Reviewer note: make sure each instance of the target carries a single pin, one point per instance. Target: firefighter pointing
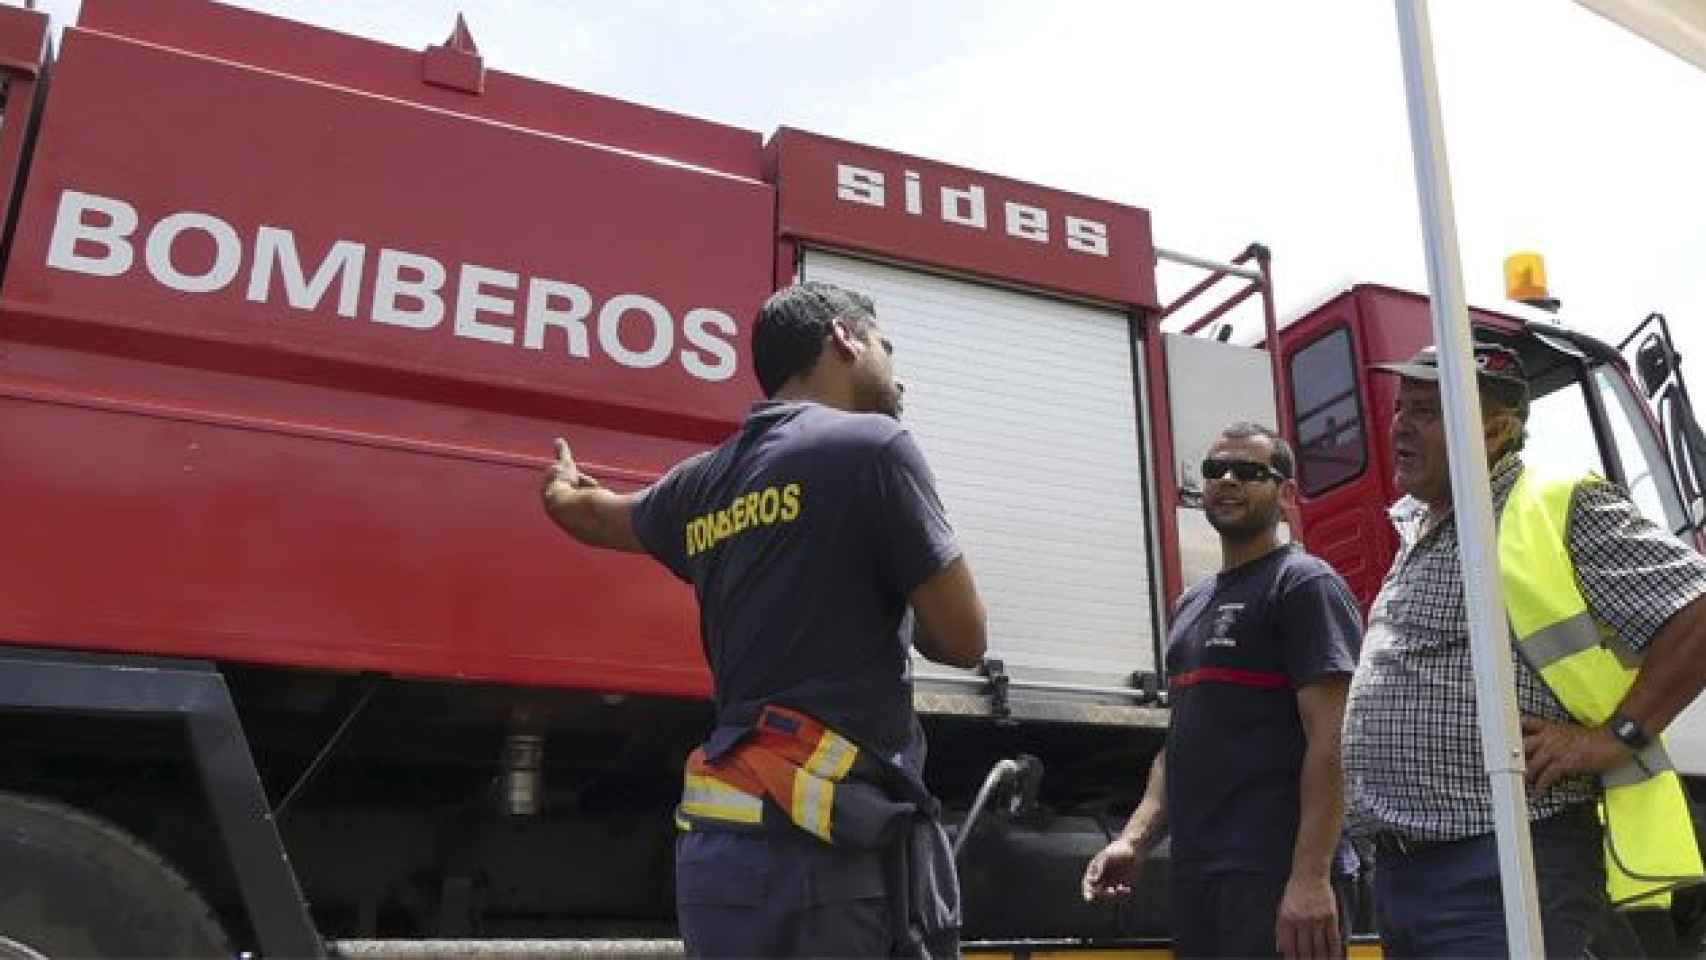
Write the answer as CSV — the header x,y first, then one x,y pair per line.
x,y
806,829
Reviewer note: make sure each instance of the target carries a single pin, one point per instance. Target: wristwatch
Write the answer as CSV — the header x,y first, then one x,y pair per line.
x,y
1627,730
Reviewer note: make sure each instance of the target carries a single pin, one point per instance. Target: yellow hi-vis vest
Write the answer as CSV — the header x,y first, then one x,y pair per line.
x,y
1649,837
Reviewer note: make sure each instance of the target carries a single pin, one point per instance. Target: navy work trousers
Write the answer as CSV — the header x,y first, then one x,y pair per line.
x,y
774,894
1445,900
1232,913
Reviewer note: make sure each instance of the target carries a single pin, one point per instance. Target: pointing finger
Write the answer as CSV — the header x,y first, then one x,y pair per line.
x,y
563,449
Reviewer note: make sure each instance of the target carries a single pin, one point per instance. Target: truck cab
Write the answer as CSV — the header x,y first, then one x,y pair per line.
x,y
1621,412
1588,414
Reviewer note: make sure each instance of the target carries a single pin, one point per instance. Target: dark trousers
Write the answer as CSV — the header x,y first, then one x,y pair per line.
x,y
778,895
1231,913
1445,900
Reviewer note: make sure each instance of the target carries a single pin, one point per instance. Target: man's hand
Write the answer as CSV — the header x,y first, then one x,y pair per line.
x,y
563,474
1113,872
587,511
1559,750
1308,920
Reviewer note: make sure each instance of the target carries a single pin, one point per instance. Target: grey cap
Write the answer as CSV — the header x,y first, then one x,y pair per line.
x,y
1497,367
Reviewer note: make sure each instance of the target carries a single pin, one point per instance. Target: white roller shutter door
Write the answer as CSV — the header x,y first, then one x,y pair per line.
x,y
1025,406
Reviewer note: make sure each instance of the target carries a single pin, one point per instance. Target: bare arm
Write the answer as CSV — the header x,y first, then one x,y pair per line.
x,y
588,512
1674,671
1321,706
1115,870
1148,822
949,625
1307,925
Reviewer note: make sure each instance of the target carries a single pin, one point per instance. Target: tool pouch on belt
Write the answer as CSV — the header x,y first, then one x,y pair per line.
x,y
793,772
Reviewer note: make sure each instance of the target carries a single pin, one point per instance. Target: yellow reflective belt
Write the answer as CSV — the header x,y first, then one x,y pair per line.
x,y
814,798
833,757
713,799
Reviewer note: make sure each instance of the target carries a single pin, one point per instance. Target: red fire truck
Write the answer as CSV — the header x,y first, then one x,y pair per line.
x,y
292,661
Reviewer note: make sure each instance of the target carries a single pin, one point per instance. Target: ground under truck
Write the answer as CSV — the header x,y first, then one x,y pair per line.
x,y
293,663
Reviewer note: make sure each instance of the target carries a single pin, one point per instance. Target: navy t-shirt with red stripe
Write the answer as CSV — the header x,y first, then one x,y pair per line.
x,y
1243,641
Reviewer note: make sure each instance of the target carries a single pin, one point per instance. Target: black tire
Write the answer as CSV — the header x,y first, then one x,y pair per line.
x,y
73,885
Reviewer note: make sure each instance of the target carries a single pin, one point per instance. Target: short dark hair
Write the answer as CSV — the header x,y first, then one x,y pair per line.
x,y
787,337
1282,459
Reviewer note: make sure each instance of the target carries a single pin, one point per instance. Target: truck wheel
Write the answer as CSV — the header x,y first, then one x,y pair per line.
x,y
72,885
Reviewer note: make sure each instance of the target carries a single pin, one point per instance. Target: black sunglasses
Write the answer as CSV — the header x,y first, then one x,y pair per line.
x,y
1247,471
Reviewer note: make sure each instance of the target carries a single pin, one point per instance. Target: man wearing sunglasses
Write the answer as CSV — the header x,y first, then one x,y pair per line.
x,y
1248,785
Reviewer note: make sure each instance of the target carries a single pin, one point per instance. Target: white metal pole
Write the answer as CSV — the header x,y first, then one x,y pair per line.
x,y
1489,634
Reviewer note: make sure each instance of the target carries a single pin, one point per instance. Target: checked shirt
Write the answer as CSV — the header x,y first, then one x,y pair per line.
x,y
1412,746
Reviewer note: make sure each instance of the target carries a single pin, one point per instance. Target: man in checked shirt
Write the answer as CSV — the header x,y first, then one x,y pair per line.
x,y
1414,777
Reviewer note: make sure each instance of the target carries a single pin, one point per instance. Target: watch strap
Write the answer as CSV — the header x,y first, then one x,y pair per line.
x,y
1624,728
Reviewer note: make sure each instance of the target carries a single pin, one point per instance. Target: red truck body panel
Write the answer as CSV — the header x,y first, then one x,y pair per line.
x,y
23,53
23,40
220,466
324,56
286,331
866,200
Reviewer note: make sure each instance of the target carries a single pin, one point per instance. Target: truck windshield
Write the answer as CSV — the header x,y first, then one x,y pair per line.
x,y
1561,438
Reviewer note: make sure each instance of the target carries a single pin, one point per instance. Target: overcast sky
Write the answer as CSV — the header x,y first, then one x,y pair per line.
x,y
1229,121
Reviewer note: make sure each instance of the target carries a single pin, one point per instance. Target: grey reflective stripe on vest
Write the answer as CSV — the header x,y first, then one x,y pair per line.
x,y
1562,639
1651,761
1625,654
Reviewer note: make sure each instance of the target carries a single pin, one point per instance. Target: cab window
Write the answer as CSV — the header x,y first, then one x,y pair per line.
x,y
1326,413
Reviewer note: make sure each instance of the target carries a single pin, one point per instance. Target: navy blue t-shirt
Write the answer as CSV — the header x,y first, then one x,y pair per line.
x,y
1242,642
803,535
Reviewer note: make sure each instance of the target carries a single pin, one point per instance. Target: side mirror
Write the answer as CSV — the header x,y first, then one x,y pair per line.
x,y
1654,364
